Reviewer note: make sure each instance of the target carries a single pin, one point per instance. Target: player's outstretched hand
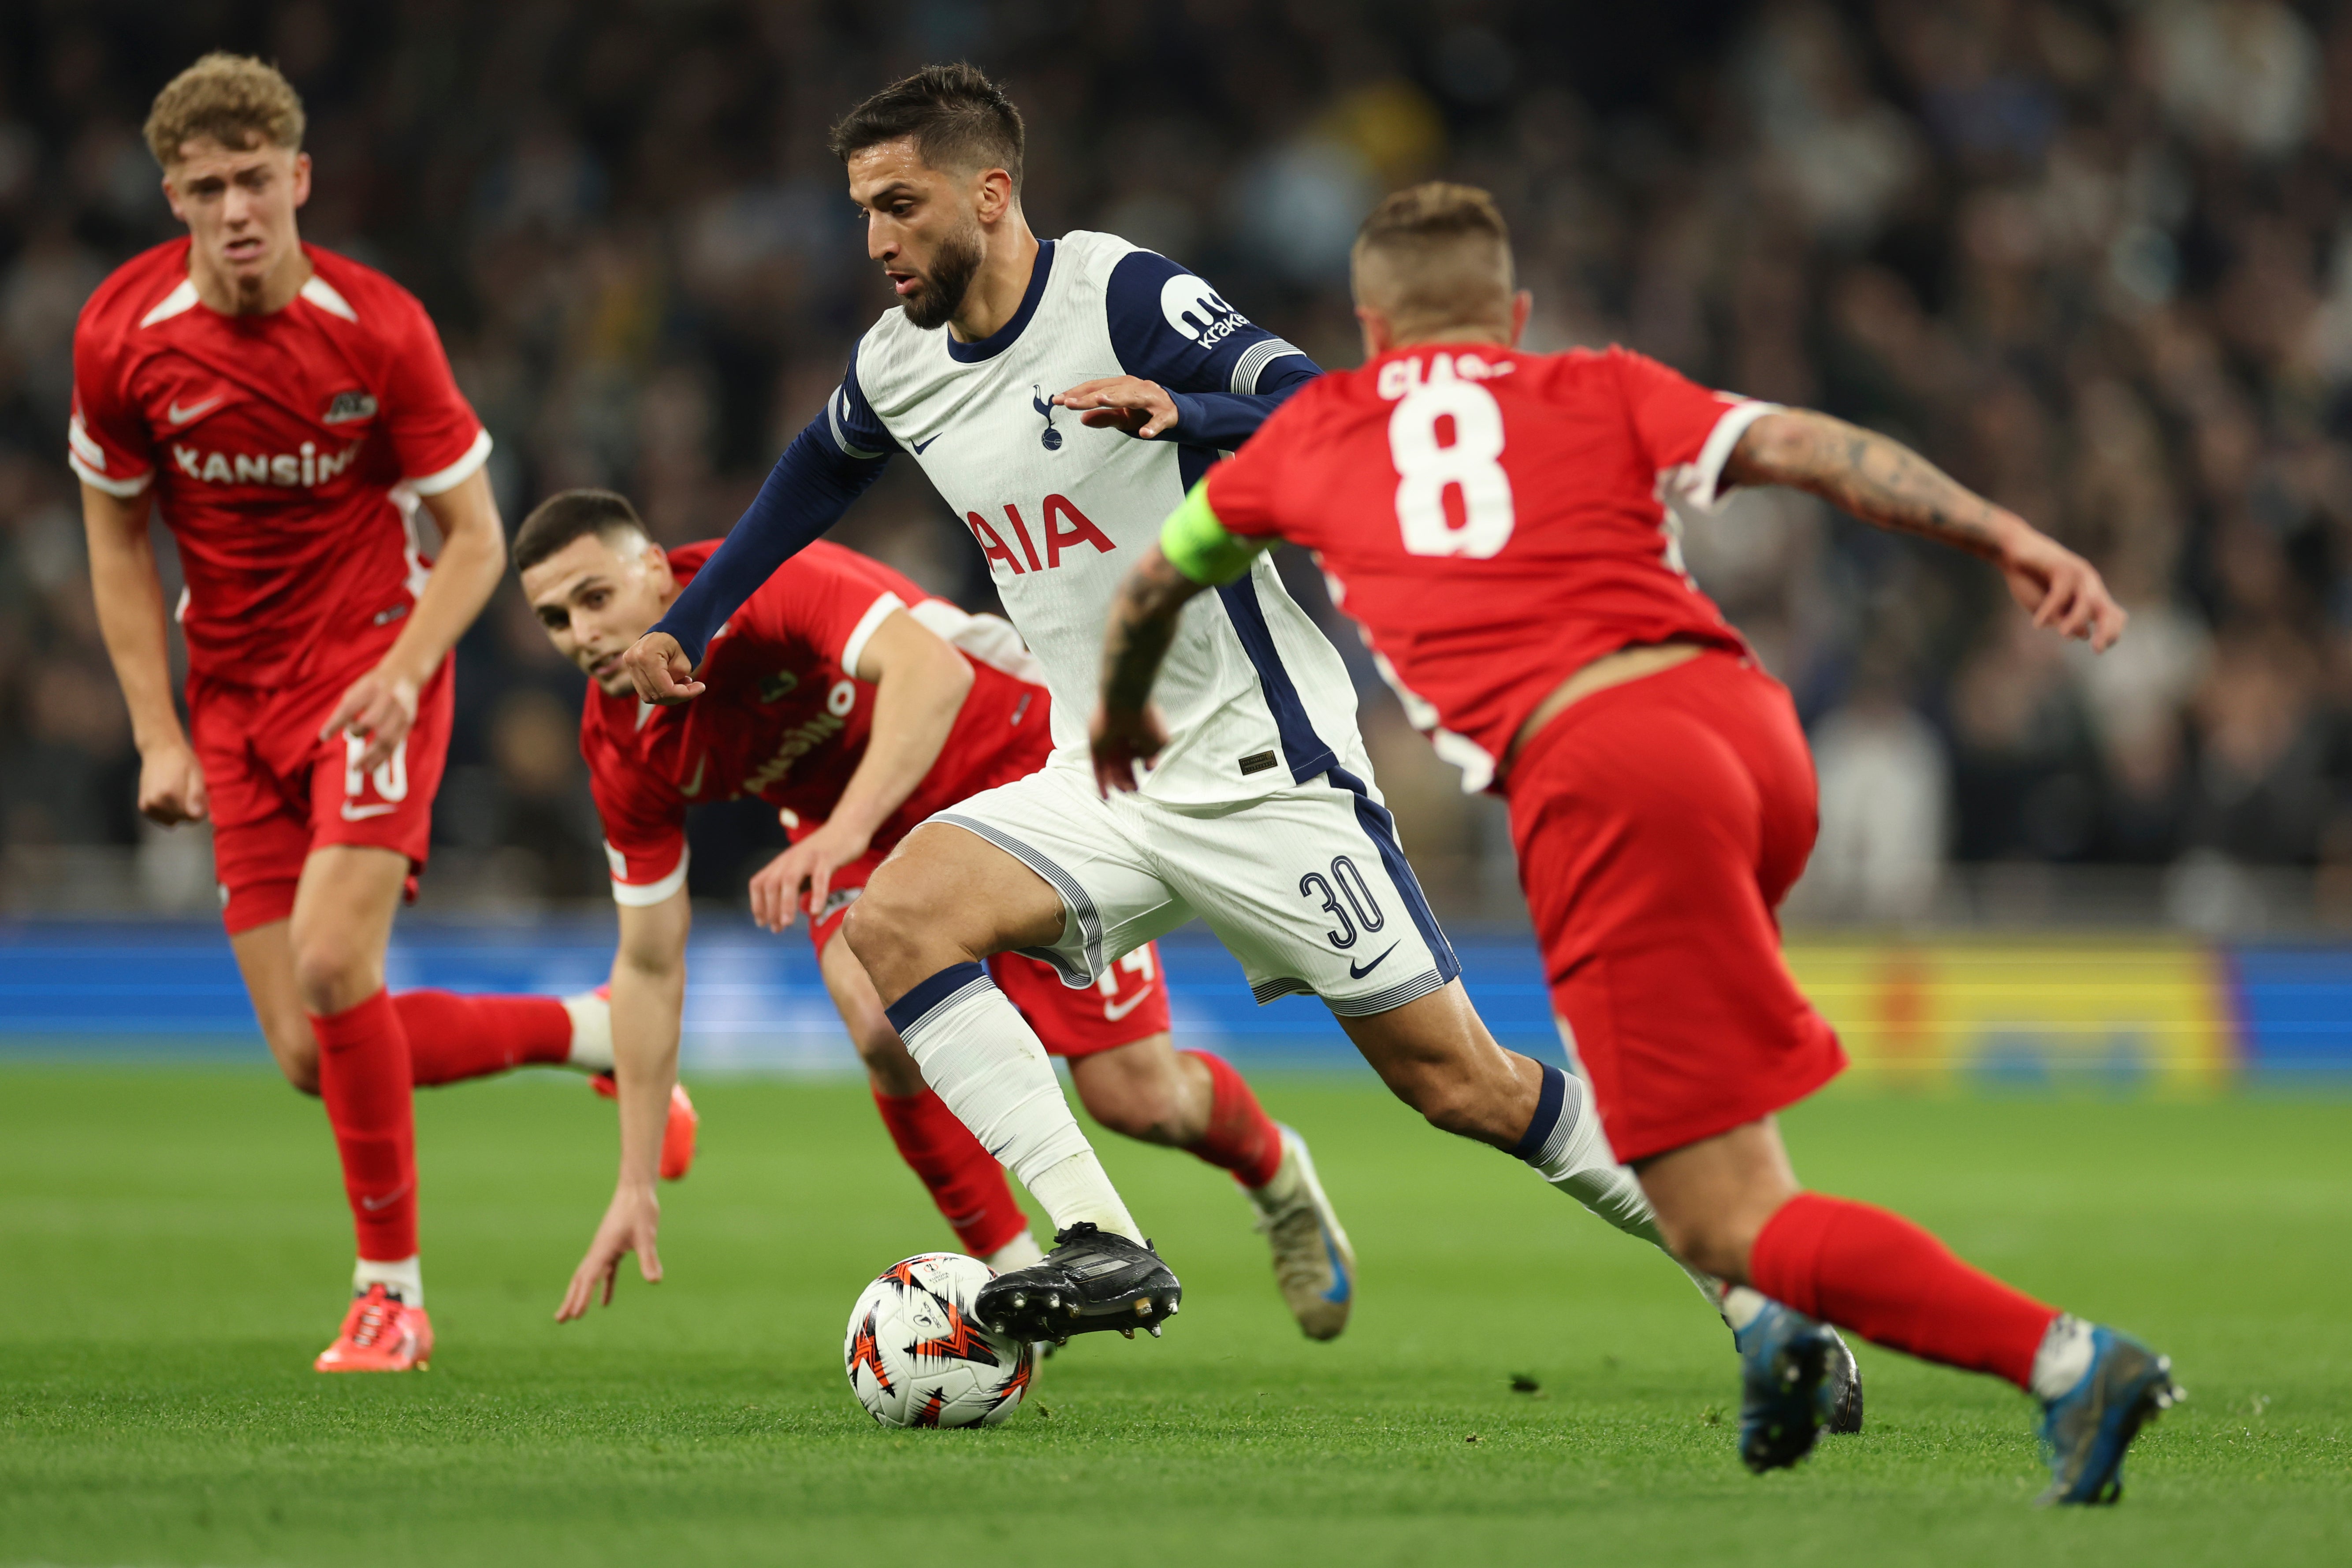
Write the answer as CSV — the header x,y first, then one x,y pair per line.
x,y
811,863
1139,407
661,671
379,705
629,1226
172,785
1125,743
2063,591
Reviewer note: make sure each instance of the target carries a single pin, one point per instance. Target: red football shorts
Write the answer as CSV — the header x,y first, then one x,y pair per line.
x,y
1129,1003
1658,824
278,792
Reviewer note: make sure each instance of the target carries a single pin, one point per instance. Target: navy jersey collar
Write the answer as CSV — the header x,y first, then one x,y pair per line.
x,y
1005,336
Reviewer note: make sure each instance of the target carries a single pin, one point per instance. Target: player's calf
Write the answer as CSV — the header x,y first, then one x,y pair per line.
x,y
1435,1055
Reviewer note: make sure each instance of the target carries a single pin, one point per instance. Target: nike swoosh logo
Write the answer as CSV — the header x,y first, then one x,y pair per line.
x,y
175,415
920,446
362,813
390,1198
1357,972
694,785
1115,1011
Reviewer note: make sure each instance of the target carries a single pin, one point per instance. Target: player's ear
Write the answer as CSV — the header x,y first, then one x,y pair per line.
x,y
1380,334
172,198
992,195
301,178
1523,305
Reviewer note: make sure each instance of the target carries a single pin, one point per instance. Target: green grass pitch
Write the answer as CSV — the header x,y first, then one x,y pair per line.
x,y
174,1251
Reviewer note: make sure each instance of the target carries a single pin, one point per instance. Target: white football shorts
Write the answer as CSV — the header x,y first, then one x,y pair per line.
x,y
1307,887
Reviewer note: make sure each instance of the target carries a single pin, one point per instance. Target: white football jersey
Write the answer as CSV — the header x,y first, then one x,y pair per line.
x,y
1254,696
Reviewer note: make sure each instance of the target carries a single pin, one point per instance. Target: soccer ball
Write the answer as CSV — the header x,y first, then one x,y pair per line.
x,y
916,1355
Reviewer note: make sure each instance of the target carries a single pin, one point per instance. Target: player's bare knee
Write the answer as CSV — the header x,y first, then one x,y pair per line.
x,y
885,930
332,974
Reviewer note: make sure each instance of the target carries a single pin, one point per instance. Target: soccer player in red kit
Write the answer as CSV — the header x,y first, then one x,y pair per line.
x,y
857,705
1501,525
286,410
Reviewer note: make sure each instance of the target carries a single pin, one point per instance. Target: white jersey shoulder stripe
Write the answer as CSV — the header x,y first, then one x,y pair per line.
x,y
325,295
182,299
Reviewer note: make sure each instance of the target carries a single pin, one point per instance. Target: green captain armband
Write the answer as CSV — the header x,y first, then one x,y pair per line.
x,y
1197,544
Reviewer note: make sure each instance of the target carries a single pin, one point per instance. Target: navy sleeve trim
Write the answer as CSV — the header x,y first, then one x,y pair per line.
x,y
809,488
857,430
1226,373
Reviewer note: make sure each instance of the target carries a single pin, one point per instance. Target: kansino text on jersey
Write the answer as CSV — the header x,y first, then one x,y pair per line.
x,y
1400,376
308,468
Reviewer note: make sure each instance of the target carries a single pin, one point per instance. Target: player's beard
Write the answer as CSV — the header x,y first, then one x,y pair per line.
x,y
948,279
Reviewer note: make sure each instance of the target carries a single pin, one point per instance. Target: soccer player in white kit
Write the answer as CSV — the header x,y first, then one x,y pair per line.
x,y
1082,386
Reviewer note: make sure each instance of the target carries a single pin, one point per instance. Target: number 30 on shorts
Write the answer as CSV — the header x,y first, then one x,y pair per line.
x,y
1347,899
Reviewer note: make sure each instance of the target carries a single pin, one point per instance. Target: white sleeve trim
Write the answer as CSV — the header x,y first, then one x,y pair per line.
x,y
458,473
834,407
871,622
1698,485
639,898
1252,364
123,489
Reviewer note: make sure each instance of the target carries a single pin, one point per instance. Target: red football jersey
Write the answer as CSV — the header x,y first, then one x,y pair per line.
x,y
292,449
1492,520
781,717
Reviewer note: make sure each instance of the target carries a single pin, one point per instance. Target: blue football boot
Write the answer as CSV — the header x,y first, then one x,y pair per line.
x,y
1788,1390
2085,1430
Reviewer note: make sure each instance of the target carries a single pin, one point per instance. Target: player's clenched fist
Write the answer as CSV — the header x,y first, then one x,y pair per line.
x,y
171,786
659,670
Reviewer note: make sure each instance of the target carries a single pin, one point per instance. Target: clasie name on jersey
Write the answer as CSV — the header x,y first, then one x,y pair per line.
x,y
306,468
1063,526
1400,376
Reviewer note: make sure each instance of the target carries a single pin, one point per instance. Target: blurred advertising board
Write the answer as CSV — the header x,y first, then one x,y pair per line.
x,y
2138,1015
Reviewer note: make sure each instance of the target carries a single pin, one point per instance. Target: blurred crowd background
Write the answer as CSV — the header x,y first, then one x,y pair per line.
x,y
2094,258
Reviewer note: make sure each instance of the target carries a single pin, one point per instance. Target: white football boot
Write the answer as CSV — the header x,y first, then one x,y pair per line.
x,y
1313,1263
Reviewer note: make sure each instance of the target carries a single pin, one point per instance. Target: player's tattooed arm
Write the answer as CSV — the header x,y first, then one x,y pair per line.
x,y
1885,483
1143,621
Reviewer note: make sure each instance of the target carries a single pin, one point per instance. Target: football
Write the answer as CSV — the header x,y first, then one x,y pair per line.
x,y
917,1356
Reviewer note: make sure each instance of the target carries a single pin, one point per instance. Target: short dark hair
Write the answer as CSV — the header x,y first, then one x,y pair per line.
x,y
568,515
959,121
1434,254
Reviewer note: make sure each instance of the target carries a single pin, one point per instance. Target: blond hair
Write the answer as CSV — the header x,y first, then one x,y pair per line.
x,y
1433,255
234,100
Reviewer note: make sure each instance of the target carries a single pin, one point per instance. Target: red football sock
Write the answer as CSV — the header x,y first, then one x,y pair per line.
x,y
1893,1284
452,1037
363,1079
1241,1138
965,1180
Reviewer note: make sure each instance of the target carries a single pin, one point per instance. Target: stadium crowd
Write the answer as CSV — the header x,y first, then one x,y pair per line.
x,y
2095,260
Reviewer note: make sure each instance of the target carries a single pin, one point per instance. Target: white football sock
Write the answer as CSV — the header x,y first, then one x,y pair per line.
x,y
1076,1189
2064,1359
404,1278
1573,1154
981,1055
1019,1253
591,1032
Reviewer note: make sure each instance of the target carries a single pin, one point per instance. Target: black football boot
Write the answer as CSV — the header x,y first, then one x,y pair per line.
x,y
1092,1280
